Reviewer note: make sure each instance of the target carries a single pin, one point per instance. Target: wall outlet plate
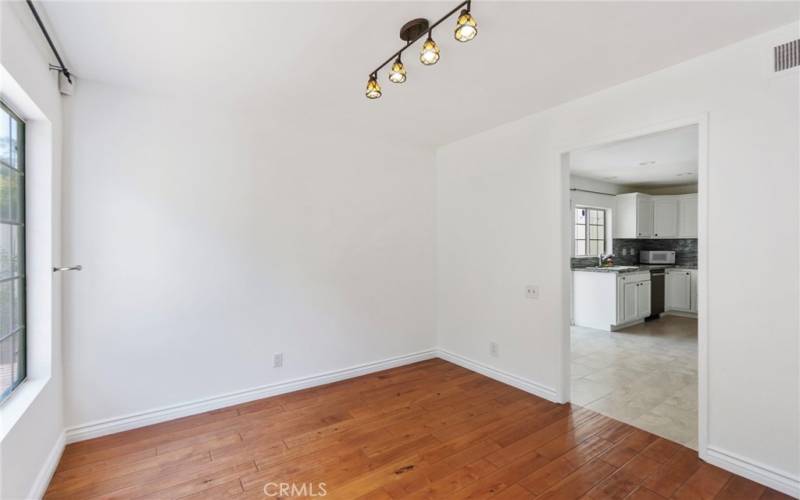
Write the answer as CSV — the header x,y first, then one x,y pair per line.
x,y
494,349
277,360
532,292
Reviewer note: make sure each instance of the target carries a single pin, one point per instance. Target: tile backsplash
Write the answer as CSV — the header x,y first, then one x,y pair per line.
x,y
685,250
578,262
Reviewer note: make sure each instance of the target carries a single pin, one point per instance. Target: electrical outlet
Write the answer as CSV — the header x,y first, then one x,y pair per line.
x,y
494,349
532,292
277,360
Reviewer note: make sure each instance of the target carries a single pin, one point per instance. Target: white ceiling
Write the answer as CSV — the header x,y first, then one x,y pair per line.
x,y
662,159
305,65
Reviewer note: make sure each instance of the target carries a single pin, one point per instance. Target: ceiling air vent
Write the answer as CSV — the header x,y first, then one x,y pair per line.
x,y
787,55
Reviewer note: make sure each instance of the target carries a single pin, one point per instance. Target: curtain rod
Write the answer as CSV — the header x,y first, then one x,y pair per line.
x,y
593,192
62,67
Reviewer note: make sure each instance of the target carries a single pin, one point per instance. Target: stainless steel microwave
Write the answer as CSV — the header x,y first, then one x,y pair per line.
x,y
657,257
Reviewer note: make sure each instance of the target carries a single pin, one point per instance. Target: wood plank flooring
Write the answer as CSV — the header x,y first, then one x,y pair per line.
x,y
427,430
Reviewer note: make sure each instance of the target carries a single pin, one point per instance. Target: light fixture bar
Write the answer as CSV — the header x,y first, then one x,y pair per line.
x,y
391,58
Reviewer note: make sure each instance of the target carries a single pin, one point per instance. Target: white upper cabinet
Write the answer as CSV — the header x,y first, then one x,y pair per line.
x,y
665,217
687,216
643,216
634,216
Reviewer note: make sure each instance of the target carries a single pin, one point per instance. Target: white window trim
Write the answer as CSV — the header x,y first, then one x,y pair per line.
x,y
608,228
39,251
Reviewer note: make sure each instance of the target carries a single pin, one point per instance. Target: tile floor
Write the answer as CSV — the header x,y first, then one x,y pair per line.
x,y
645,375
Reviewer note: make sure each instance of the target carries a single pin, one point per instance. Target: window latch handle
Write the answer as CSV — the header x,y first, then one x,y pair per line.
x,y
67,268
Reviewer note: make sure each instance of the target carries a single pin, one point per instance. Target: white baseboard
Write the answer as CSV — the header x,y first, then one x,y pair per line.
x,y
507,378
680,314
48,469
760,473
132,421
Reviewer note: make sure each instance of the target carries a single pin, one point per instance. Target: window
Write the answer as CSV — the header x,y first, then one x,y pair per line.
x,y
12,251
590,231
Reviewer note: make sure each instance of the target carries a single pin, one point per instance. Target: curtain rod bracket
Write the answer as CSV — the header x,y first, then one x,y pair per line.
x,y
62,68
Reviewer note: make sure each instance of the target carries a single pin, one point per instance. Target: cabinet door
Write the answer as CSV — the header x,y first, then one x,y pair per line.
x,y
625,216
687,213
643,299
665,217
644,217
678,291
693,292
630,302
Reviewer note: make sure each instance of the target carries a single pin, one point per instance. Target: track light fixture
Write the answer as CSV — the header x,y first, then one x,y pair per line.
x,y
466,27
373,87
430,52
398,72
466,30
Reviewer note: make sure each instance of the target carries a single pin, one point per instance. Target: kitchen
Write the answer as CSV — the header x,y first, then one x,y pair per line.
x,y
634,263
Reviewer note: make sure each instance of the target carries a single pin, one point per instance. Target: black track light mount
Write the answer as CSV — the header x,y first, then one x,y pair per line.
x,y
416,29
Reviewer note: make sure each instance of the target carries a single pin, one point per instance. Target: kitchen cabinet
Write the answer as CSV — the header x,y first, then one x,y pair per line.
x,y
609,300
633,297
634,216
687,216
644,216
665,217
693,292
681,290
629,299
643,299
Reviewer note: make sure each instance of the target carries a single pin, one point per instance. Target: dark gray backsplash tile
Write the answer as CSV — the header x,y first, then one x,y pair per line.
x,y
579,262
685,250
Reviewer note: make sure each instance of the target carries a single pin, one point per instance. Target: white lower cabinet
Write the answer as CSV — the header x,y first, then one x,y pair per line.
x,y
680,292
607,300
643,299
633,297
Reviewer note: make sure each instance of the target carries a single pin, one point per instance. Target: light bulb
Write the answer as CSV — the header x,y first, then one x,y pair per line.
x,y
466,27
373,88
398,72
430,52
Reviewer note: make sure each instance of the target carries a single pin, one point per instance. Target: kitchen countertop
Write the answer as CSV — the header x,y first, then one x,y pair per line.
x,y
632,269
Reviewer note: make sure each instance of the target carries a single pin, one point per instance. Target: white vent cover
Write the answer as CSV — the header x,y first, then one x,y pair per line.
x,y
787,55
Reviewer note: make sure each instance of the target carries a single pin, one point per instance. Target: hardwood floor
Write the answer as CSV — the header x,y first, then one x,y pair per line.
x,y
427,430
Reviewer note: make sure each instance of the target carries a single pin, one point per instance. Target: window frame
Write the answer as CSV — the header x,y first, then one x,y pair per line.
x,y
587,239
22,330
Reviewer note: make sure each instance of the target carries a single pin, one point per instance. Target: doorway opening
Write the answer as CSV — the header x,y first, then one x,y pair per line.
x,y
636,280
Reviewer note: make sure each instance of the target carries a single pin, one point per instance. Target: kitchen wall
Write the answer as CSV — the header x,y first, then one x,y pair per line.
x,y
685,250
212,238
500,193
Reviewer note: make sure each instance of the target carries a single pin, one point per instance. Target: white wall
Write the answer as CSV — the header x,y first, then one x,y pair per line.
x,y
31,420
500,193
213,238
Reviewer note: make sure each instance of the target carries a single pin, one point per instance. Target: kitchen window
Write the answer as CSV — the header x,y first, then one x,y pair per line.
x,y
12,251
590,231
